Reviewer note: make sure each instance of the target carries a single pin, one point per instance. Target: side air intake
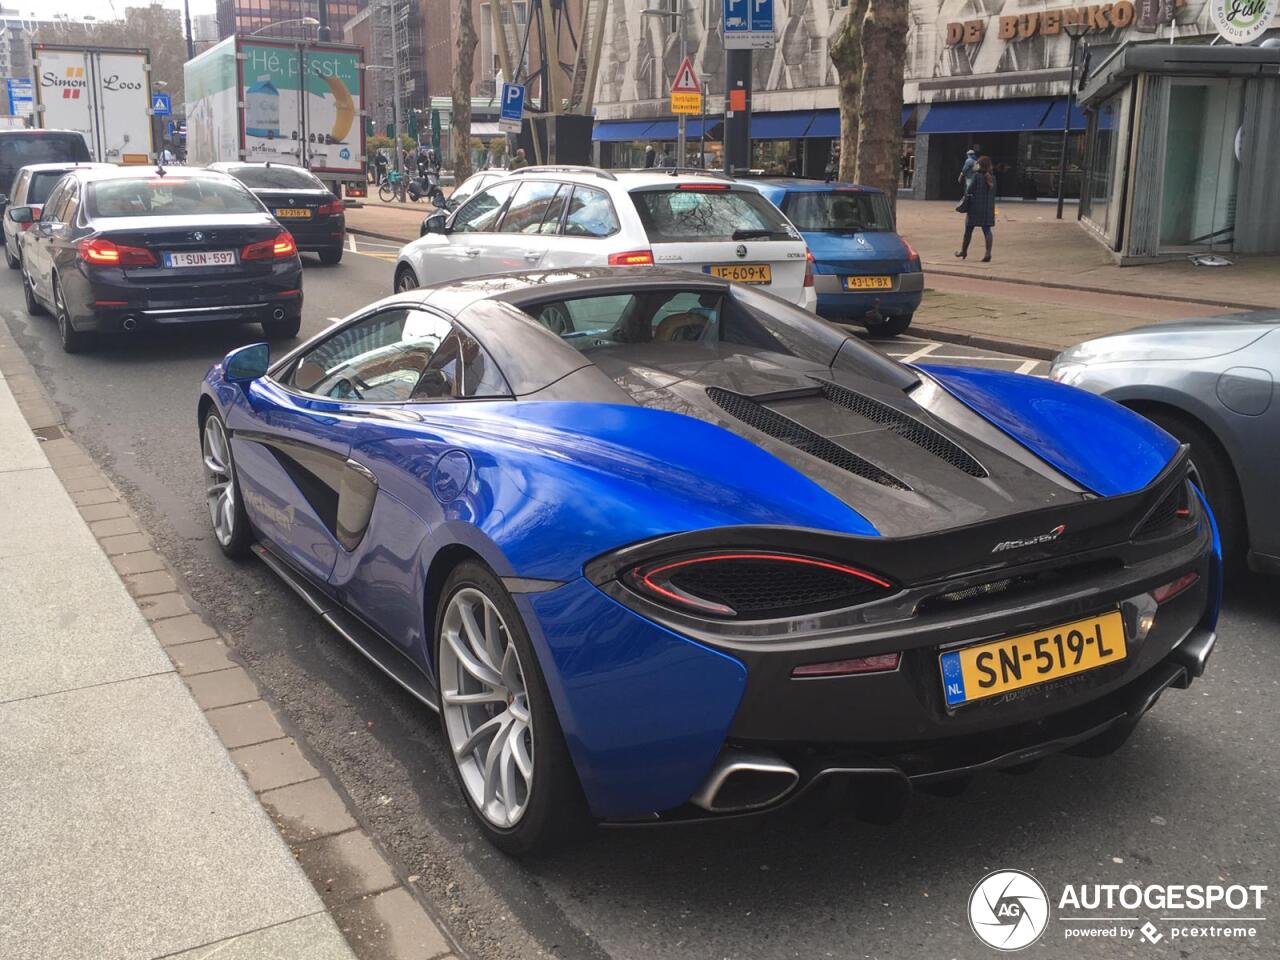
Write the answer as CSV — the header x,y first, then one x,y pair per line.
x,y
907,427
788,431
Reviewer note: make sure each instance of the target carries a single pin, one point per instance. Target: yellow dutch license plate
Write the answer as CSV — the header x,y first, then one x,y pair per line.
x,y
987,669
742,272
868,283
295,213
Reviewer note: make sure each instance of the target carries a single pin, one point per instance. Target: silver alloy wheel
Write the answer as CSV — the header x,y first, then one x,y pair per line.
x,y
60,312
404,283
486,707
220,488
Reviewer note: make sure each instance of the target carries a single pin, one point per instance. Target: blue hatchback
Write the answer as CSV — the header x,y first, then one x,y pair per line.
x,y
863,271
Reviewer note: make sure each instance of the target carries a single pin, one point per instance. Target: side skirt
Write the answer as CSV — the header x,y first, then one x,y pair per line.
x,y
378,650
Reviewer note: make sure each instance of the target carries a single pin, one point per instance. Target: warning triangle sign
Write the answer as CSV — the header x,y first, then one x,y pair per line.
x,y
686,80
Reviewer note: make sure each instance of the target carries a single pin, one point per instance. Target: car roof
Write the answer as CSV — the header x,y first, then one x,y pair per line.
x,y
67,165
626,179
39,132
224,165
797,185
148,172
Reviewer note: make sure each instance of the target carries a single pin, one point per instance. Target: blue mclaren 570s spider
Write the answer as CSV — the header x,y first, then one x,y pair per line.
x,y
658,546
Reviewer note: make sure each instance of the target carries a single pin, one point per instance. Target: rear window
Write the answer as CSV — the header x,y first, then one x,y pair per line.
x,y
168,197
276,178
42,184
839,211
21,149
684,215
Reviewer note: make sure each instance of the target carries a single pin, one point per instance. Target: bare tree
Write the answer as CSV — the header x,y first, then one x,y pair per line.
x,y
847,55
884,54
464,57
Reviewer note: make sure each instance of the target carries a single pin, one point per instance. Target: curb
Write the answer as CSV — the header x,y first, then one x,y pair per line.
x,y
378,236
1033,351
945,272
375,907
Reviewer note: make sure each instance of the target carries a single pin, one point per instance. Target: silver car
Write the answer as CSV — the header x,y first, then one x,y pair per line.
x,y
1211,383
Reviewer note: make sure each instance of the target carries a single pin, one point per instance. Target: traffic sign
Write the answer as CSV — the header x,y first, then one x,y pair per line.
x,y
161,106
686,91
511,112
748,24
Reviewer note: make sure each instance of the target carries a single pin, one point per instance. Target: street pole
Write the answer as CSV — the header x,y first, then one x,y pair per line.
x,y
322,33
1074,31
395,105
186,17
682,158
702,120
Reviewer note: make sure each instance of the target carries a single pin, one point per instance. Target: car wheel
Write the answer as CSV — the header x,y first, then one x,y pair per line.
x,y
1217,480
10,259
285,329
34,307
330,257
222,488
406,279
500,726
890,326
73,341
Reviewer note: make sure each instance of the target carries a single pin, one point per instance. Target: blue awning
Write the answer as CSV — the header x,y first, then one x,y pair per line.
x,y
907,110
986,116
784,125
1058,110
621,130
693,128
826,124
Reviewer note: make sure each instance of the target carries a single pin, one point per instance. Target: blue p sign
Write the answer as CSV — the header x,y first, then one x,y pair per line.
x,y
511,110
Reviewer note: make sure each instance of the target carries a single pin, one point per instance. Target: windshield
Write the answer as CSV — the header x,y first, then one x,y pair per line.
x,y
839,211
693,213
42,184
23,149
169,197
276,178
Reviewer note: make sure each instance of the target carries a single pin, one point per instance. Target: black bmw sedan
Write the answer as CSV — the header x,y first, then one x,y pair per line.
x,y
303,205
122,250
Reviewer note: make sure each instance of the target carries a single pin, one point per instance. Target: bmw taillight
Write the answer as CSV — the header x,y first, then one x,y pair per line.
x,y
632,258
754,585
808,268
277,248
329,209
106,253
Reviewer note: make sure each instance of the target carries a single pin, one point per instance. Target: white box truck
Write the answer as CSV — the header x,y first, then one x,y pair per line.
x,y
104,93
291,102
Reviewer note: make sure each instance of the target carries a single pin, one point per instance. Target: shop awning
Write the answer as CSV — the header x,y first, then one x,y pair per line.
x,y
826,125
616,131
783,125
487,128
989,116
1058,110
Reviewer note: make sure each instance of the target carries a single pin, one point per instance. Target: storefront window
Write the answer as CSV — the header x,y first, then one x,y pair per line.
x,y
1098,205
775,157
1198,203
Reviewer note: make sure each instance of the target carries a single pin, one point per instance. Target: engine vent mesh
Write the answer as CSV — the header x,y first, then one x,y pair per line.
x,y
907,427
754,587
788,431
1165,514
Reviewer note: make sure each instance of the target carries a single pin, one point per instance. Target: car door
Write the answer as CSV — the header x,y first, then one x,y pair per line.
x,y
580,238
38,242
16,199
463,249
528,228
292,438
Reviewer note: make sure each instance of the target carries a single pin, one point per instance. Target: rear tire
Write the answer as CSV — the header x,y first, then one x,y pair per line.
x,y
73,341
891,327
34,307
227,515
546,808
10,259
1218,478
285,329
331,257
406,279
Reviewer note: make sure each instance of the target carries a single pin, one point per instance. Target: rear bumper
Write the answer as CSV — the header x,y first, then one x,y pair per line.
x,y
836,303
319,235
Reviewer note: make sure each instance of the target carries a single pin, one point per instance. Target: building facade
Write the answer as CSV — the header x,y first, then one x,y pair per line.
x,y
248,16
991,74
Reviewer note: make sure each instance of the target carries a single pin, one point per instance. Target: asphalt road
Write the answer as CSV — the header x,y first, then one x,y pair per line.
x,y
1192,798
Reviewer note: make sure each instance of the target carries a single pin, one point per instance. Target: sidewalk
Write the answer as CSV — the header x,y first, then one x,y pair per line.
x,y
132,746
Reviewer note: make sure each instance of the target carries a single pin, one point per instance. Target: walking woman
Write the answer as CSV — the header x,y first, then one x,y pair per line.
x,y
979,207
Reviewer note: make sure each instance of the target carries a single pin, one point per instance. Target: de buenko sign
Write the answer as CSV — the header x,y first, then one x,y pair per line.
x,y
1145,16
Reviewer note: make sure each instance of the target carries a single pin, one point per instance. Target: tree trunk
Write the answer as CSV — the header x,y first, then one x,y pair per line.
x,y
464,57
884,54
846,54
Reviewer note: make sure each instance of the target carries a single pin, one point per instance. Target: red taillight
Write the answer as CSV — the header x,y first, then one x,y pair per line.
x,y
278,247
632,258
1174,587
808,268
105,253
703,187
35,215
329,209
879,663
911,251
754,585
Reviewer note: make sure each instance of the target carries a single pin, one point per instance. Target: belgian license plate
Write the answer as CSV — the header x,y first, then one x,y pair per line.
x,y
201,258
742,272
987,669
868,283
294,213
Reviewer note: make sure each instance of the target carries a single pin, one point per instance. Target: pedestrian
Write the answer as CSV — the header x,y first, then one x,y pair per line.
x,y
650,156
519,160
979,206
166,156
966,172
667,159
380,167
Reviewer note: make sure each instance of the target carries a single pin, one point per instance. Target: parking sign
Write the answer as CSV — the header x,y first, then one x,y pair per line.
x,y
512,108
748,24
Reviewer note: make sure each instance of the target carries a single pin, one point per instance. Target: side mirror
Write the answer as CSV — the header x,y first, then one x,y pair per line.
x,y
20,214
246,364
434,223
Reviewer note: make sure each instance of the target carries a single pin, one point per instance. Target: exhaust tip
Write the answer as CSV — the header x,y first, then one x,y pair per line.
x,y
745,781
129,324
277,313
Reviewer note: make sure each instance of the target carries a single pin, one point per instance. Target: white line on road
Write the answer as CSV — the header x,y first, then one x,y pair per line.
x,y
351,243
1027,366
922,352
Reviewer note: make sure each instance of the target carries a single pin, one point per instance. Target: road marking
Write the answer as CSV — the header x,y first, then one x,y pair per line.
x,y
333,320
351,243
922,352
1027,366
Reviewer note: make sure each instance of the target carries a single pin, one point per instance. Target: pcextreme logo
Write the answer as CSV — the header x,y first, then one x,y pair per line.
x,y
1010,910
